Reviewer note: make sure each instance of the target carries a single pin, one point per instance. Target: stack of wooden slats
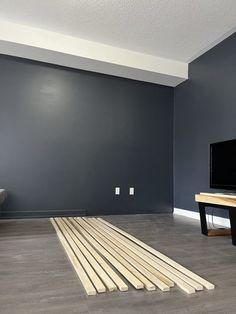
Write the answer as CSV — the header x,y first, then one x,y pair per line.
x,y
95,248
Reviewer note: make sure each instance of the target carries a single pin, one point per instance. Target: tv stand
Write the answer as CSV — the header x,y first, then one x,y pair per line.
x,y
219,201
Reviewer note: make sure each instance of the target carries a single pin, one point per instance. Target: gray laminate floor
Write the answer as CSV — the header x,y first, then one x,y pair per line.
x,y
36,277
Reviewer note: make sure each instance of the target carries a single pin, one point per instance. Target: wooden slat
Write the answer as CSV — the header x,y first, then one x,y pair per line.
x,y
87,267
143,254
132,266
139,283
88,286
140,272
116,279
163,257
179,278
96,266
130,257
134,254
127,274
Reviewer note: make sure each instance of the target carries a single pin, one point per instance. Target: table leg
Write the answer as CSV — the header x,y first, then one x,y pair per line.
x,y
232,216
202,212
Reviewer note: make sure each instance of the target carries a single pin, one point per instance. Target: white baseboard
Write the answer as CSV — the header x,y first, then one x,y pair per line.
x,y
194,215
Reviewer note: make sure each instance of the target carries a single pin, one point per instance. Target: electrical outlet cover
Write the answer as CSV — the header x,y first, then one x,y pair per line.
x,y
117,190
131,191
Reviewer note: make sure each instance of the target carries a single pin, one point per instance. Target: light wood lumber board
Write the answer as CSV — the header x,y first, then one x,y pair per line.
x,y
180,283
112,274
87,267
128,275
145,276
140,264
136,282
179,278
154,275
163,257
96,266
88,286
132,258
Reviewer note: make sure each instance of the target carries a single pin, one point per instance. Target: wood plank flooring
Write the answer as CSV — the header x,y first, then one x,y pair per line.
x,y
37,277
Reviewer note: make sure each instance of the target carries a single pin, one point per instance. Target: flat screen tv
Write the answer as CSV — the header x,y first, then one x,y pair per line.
x,y
223,165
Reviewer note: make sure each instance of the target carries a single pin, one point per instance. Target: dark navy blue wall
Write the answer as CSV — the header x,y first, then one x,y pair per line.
x,y
205,112
68,137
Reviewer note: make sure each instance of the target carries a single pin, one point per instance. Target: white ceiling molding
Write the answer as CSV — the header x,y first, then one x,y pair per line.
x,y
41,45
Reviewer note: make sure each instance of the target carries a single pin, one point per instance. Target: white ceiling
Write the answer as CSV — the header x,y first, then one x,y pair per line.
x,y
175,29
145,40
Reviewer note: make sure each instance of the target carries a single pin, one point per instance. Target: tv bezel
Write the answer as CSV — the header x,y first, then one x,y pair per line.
x,y
218,186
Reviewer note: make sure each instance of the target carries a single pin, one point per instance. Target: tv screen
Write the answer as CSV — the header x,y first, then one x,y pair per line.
x,y
223,165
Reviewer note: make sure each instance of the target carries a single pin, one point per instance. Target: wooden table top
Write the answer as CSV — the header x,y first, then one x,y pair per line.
x,y
217,199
